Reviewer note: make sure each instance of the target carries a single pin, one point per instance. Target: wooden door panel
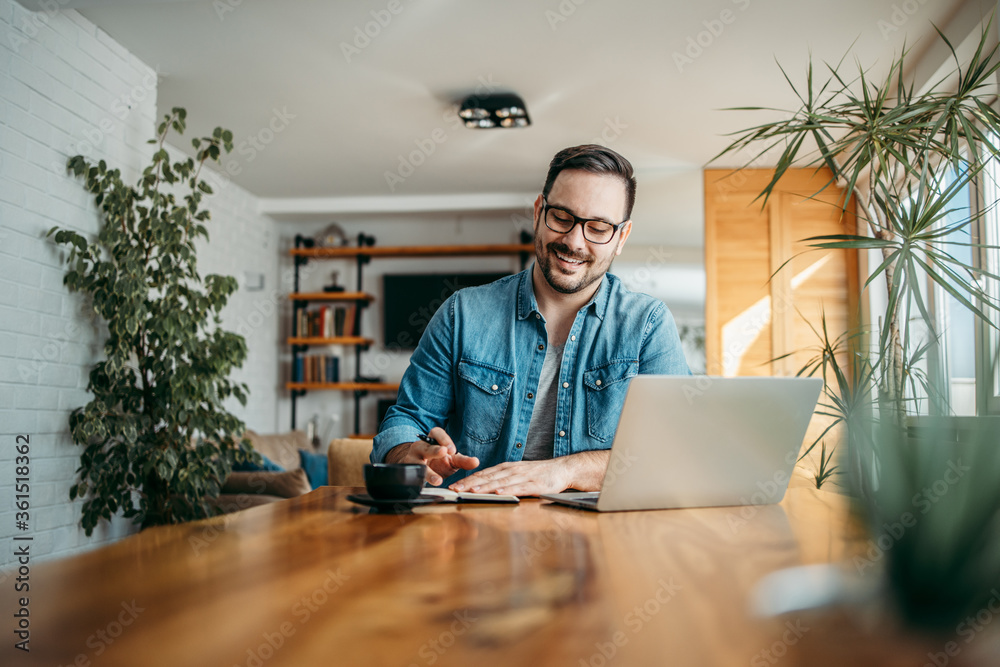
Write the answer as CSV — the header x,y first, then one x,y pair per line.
x,y
753,317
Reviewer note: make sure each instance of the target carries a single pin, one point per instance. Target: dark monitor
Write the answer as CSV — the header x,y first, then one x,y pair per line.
x,y
410,300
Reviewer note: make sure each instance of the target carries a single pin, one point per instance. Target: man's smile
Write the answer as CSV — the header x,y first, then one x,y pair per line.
x,y
567,260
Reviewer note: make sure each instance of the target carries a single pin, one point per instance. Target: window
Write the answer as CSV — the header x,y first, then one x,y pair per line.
x,y
987,338
969,346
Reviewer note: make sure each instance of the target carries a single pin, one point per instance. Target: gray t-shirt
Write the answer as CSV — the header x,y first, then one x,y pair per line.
x,y
538,444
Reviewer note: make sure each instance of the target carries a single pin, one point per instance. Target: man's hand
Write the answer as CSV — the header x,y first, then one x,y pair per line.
x,y
583,471
442,460
518,478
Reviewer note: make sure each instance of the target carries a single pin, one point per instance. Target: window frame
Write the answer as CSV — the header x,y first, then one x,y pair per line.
x,y
986,230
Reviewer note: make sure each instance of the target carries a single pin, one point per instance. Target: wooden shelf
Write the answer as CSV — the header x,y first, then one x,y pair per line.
x,y
339,340
331,296
344,386
362,436
418,250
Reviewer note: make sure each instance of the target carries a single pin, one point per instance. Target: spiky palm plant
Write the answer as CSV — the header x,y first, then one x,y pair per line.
x,y
907,157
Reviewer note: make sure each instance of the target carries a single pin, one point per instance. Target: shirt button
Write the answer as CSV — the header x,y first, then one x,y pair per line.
x,y
537,316
565,385
496,387
530,395
572,337
562,434
541,347
518,445
598,383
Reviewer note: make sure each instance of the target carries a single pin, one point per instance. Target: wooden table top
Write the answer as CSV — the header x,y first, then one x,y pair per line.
x,y
318,580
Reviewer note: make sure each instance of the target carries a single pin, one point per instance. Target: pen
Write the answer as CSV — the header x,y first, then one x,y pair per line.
x,y
428,439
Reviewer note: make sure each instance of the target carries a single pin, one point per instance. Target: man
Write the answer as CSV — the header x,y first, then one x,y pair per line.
x,y
527,375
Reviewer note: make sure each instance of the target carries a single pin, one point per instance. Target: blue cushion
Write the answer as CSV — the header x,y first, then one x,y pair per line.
x,y
267,465
316,468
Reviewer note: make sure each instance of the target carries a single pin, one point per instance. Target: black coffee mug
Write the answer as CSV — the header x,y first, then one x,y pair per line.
x,y
394,481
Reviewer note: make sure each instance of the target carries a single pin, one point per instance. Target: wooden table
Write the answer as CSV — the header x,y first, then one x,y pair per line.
x,y
320,581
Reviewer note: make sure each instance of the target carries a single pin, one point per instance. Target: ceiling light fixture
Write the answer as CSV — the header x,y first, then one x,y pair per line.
x,y
494,110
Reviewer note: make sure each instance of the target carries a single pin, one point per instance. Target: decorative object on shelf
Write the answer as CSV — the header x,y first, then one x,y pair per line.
x,y
158,443
926,487
333,236
334,285
494,110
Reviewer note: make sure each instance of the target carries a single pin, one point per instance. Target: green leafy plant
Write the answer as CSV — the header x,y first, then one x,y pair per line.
x,y
907,158
157,441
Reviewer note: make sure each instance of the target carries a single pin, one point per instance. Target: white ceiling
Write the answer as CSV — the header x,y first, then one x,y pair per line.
x,y
582,66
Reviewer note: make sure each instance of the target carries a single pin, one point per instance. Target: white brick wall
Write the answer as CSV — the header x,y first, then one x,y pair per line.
x,y
68,88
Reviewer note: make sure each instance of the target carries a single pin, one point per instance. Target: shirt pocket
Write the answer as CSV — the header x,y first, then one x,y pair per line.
x,y
605,388
483,394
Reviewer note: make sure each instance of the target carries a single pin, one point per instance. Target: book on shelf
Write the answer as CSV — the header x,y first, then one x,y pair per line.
x,y
338,321
326,322
316,368
349,321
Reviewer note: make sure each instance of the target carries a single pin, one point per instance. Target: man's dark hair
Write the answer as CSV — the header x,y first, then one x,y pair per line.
x,y
597,160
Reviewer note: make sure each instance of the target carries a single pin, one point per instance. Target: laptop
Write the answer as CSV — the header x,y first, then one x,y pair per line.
x,y
700,441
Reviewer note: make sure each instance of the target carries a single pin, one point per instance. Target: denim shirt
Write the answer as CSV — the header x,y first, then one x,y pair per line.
x,y
476,369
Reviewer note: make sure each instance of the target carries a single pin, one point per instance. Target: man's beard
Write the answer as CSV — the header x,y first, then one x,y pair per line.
x,y
589,273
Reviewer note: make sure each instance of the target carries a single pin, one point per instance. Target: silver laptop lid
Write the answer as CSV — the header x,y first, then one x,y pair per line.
x,y
699,441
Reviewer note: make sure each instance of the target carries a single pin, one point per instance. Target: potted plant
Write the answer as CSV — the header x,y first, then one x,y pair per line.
x,y
157,442
907,158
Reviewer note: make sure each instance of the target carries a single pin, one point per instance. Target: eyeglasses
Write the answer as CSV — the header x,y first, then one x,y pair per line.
x,y
562,221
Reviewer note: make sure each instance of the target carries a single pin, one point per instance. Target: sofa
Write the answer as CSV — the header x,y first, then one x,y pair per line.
x,y
251,488
345,461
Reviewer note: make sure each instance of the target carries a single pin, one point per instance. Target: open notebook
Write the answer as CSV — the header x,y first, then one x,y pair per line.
x,y
449,496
